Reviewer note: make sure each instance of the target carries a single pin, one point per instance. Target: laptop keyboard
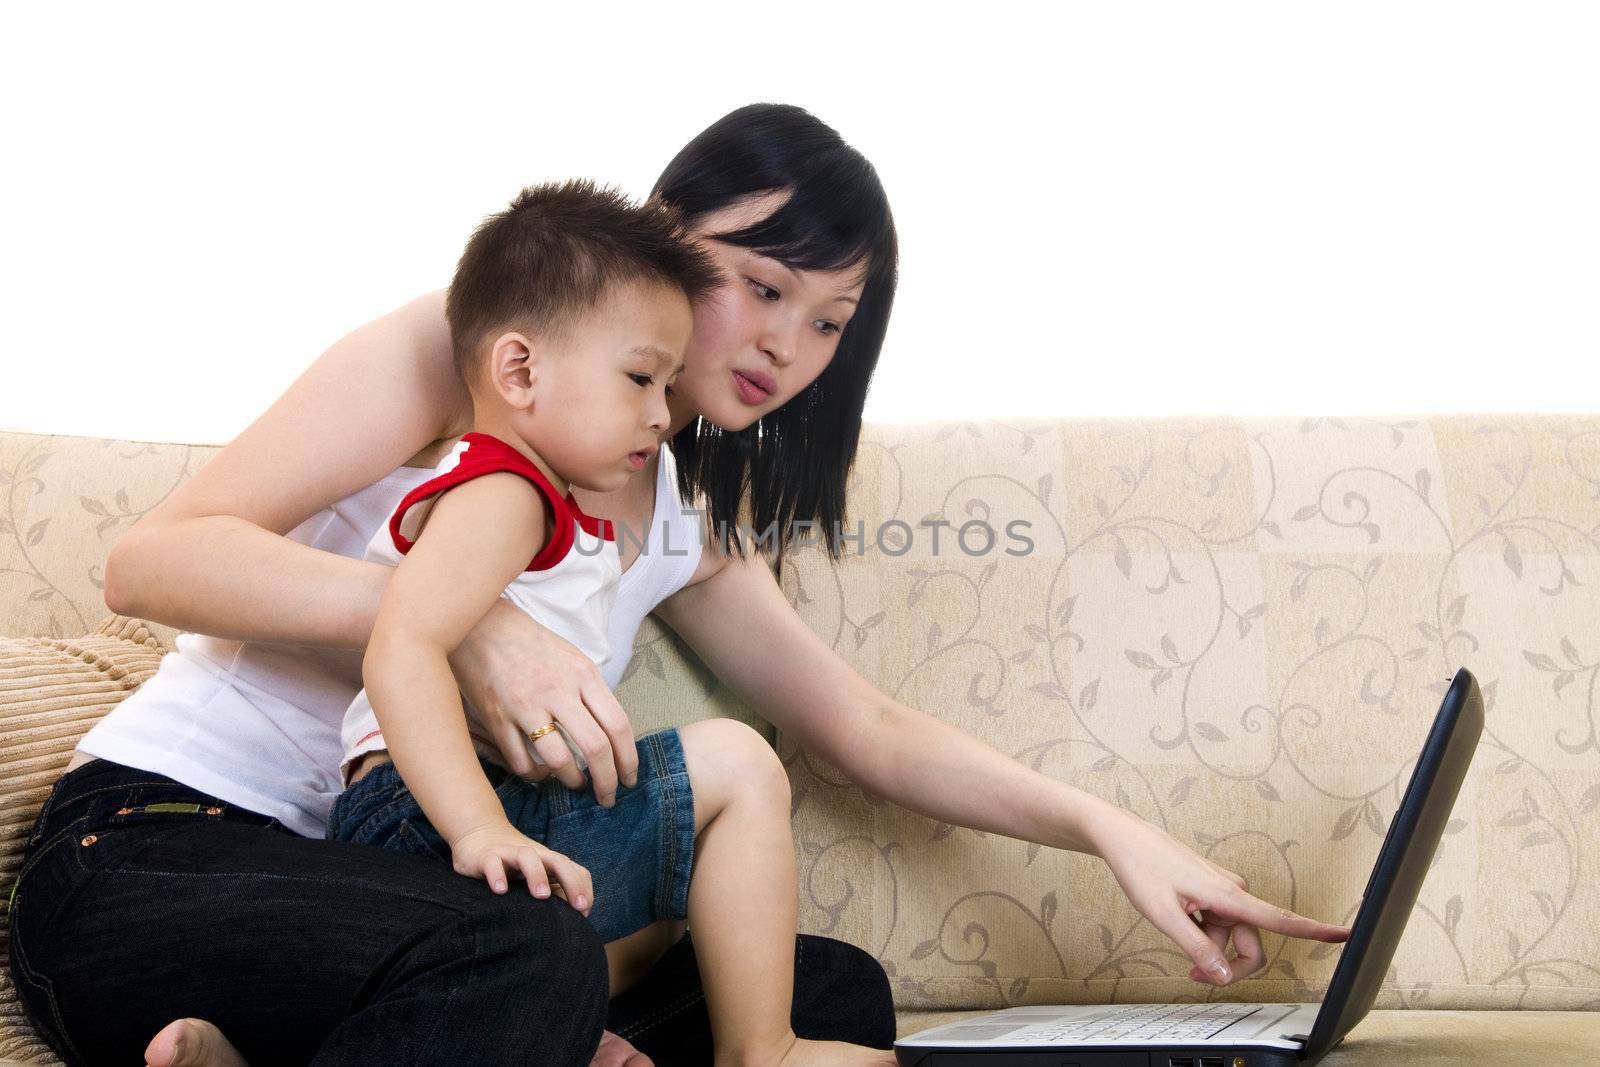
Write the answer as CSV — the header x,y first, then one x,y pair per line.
x,y
1140,1022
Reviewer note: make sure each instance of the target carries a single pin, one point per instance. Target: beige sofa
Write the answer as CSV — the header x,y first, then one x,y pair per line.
x,y
1238,628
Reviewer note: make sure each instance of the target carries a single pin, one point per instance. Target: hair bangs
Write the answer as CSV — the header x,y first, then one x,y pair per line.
x,y
828,223
792,465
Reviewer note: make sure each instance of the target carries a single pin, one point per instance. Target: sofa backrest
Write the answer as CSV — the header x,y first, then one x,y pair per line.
x,y
67,499
1237,627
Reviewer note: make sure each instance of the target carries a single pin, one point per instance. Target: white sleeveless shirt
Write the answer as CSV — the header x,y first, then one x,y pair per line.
x,y
257,724
569,587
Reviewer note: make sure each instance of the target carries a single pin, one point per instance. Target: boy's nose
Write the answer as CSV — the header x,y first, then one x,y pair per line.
x,y
660,414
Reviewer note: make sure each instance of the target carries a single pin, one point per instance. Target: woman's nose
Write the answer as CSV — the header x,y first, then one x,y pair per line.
x,y
779,347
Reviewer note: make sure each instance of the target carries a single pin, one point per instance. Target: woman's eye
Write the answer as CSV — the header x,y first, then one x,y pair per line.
x,y
765,292
828,327
641,380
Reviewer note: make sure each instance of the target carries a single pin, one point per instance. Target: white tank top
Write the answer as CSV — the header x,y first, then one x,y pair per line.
x,y
569,587
257,724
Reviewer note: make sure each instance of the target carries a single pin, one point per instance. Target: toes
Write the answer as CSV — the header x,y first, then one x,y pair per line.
x,y
191,1043
172,1047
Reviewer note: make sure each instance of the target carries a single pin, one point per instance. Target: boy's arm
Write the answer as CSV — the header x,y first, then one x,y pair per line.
x,y
478,537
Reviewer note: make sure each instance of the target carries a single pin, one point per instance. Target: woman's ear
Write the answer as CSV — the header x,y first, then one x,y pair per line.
x,y
514,370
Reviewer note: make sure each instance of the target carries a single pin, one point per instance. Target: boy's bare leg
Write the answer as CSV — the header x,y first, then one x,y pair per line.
x,y
744,901
629,958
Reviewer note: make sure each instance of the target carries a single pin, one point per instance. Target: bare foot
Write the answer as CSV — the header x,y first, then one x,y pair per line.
x,y
191,1043
615,1052
196,1043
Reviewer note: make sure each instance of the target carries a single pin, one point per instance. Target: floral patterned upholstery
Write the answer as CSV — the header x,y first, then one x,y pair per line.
x,y
1237,627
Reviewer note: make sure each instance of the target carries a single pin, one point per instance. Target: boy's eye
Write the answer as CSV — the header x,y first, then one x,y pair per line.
x,y
641,380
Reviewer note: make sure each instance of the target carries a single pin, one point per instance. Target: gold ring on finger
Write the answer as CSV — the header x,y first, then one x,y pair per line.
x,y
534,735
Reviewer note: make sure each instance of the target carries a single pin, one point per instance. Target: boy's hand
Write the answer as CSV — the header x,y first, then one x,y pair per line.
x,y
486,851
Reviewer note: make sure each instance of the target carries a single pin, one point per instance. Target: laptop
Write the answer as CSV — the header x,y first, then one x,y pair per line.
x,y
1217,1034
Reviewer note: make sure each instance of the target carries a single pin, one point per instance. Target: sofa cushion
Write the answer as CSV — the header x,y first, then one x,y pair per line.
x,y
1240,629
52,690
1235,626
67,500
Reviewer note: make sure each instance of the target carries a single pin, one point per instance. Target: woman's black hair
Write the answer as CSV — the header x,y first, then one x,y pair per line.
x,y
794,461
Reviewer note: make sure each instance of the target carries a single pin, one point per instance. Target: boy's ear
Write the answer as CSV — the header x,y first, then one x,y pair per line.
x,y
513,369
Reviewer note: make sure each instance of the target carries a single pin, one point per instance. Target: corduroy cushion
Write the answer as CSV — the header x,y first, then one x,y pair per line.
x,y
52,690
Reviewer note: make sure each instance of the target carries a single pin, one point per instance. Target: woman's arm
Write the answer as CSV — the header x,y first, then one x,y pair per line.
x,y
212,557
737,619
739,622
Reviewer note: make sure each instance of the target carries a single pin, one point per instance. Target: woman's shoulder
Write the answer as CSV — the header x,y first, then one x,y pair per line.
x,y
434,452
681,520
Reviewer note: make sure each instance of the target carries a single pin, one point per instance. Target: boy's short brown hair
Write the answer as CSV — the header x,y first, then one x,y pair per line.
x,y
554,253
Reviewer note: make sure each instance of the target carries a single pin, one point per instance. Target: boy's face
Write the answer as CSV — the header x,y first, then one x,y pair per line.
x,y
600,405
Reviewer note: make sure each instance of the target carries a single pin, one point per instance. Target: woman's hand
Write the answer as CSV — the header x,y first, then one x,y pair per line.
x,y
519,676
1169,883
486,851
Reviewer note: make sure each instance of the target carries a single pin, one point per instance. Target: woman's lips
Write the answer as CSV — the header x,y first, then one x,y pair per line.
x,y
753,390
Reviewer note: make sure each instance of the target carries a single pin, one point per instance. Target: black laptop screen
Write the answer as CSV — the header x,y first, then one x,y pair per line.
x,y
1402,863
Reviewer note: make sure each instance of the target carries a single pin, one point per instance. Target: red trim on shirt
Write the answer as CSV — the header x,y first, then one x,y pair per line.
x,y
592,526
486,454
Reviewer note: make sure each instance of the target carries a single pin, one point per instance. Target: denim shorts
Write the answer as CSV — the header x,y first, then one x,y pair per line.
x,y
639,852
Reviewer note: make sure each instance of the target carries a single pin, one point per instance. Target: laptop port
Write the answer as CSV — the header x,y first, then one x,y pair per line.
x,y
1180,1061
1210,1061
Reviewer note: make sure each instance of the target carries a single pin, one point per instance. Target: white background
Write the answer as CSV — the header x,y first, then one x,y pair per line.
x,y
1130,208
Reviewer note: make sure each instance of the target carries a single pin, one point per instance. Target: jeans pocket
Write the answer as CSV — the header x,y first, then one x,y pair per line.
x,y
418,840
120,824
368,804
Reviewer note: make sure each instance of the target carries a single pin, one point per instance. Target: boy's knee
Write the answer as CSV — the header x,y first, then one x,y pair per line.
x,y
726,754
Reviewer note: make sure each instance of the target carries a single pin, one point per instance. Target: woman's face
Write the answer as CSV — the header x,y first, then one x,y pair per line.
x,y
766,334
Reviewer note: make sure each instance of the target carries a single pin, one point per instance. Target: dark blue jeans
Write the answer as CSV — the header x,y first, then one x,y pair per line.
x,y
639,852
840,994
141,901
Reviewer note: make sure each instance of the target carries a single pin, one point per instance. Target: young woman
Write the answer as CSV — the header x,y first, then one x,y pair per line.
x,y
258,929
